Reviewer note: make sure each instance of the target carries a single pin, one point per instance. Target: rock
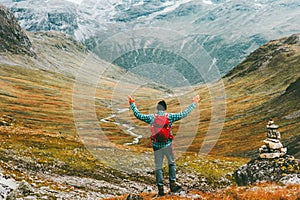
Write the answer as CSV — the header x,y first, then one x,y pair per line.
x,y
270,169
7,185
290,179
273,145
24,189
134,197
224,182
12,38
271,155
148,189
7,120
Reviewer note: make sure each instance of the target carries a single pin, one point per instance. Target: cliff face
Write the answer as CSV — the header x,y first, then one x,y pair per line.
x,y
12,38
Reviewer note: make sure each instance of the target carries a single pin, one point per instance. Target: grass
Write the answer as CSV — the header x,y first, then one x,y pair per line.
x,y
45,136
51,95
37,103
48,150
211,167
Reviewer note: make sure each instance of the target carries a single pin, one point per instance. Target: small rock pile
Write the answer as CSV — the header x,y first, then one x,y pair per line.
x,y
7,120
272,147
272,165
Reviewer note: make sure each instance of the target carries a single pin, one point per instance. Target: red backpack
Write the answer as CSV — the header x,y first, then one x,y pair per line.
x,y
160,129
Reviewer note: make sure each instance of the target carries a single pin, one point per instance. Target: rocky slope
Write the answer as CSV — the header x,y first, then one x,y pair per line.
x,y
12,37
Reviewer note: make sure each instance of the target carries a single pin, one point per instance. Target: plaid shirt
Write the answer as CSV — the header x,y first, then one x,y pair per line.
x,y
149,119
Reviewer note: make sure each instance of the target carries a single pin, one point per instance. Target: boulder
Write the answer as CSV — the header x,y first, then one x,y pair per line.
x,y
7,185
266,169
291,179
7,120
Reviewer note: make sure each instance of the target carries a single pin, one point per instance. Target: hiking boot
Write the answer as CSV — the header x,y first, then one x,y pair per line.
x,y
161,191
174,186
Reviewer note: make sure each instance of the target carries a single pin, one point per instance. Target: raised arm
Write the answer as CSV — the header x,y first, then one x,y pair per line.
x,y
145,118
188,110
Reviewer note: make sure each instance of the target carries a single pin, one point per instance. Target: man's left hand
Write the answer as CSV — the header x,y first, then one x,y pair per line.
x,y
130,99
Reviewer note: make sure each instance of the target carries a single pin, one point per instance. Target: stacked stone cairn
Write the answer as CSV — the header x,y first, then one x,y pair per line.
x,y
272,165
272,147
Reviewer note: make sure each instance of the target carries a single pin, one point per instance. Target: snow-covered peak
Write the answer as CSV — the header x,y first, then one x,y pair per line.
x,y
228,29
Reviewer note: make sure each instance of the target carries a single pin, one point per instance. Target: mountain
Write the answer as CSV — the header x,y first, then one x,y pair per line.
x,y
12,38
227,30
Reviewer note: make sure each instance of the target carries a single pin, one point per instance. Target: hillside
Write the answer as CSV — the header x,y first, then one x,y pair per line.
x,y
265,85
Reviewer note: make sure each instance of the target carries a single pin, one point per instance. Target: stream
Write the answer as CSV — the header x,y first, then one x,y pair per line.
x,y
126,126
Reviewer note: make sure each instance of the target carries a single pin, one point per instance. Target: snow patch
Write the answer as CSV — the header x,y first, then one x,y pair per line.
x,y
208,2
75,1
169,7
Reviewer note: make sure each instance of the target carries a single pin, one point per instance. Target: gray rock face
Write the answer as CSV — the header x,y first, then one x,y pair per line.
x,y
24,189
12,38
7,185
275,169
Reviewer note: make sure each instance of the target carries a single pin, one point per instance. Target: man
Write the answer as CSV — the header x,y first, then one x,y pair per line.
x,y
163,148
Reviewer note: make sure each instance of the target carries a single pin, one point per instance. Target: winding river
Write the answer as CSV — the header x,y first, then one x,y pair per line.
x,y
127,127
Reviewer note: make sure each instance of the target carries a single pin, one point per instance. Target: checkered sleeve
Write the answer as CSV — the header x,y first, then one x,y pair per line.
x,y
145,118
177,116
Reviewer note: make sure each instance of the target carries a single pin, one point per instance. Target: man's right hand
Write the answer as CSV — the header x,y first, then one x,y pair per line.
x,y
196,99
130,99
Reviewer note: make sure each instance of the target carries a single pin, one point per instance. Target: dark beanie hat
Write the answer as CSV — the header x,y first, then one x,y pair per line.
x,y
161,105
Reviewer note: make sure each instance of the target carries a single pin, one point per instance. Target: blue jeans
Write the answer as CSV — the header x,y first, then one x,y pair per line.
x,y
158,158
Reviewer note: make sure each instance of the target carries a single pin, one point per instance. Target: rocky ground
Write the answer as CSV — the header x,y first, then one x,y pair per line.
x,y
31,168
18,181
285,170
34,165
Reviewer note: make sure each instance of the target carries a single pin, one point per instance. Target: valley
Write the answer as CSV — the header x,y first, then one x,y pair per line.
x,y
65,119
44,136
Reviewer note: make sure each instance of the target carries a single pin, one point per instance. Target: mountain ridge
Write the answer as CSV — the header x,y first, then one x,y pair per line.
x,y
12,38
228,30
